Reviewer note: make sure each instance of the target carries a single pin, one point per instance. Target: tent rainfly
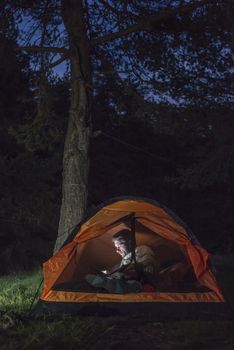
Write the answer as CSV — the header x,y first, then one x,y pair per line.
x,y
192,290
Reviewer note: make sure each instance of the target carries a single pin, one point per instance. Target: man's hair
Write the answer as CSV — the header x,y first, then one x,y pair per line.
x,y
122,235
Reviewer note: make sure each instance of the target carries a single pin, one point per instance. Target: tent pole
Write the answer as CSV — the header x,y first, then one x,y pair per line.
x,y
133,240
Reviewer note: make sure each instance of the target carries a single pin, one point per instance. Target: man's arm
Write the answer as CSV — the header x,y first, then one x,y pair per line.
x,y
133,271
145,256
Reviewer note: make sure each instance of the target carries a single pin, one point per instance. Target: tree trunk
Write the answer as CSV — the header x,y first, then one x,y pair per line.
x,y
76,158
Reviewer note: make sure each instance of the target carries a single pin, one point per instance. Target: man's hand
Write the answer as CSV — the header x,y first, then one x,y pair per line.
x,y
133,272
130,275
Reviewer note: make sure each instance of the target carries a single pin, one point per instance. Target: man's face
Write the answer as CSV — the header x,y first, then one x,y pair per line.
x,y
121,247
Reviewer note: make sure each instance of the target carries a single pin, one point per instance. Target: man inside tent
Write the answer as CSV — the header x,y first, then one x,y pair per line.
x,y
134,274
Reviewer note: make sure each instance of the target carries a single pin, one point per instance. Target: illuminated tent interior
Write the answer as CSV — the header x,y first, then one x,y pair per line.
x,y
186,279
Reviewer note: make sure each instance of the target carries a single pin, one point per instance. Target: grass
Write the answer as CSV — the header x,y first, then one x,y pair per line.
x,y
18,291
224,266
68,333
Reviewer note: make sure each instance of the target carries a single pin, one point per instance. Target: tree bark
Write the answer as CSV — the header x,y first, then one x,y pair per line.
x,y
76,158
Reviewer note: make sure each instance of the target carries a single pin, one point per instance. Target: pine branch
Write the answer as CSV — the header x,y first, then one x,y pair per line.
x,y
110,7
146,23
115,11
59,61
42,49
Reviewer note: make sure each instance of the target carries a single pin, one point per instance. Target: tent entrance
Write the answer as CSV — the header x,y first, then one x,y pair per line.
x,y
175,270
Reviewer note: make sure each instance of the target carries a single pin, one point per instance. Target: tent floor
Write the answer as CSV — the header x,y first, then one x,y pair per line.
x,y
86,288
157,310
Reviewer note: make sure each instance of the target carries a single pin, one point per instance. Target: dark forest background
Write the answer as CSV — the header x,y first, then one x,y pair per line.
x,y
176,147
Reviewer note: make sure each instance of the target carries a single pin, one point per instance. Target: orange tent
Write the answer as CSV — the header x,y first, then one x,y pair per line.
x,y
90,249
